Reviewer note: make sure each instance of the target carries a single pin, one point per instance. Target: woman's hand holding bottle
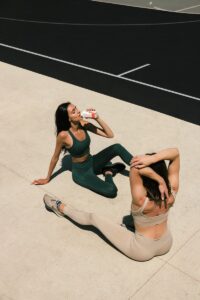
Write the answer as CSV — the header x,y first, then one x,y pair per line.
x,y
89,113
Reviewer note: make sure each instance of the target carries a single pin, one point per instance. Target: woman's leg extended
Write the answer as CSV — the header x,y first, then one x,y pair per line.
x,y
104,156
119,236
133,245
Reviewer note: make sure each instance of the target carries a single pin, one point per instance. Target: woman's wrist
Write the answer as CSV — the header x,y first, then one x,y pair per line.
x,y
97,118
160,180
153,158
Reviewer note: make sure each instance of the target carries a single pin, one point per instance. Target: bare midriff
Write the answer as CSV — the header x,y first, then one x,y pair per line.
x,y
80,159
154,232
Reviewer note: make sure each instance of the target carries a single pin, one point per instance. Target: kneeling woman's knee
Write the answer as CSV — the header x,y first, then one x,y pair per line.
x,y
117,147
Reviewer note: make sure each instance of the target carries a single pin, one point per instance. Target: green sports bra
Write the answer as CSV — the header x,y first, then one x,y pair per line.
x,y
79,148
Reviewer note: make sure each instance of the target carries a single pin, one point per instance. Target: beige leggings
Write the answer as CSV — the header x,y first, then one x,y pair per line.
x,y
133,245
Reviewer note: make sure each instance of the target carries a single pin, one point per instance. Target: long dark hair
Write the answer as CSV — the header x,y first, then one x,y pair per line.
x,y
61,118
152,186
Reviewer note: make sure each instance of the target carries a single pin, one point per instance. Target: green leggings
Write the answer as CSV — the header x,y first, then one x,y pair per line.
x,y
85,173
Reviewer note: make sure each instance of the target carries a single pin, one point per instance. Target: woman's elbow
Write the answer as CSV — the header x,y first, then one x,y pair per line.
x,y
177,152
111,136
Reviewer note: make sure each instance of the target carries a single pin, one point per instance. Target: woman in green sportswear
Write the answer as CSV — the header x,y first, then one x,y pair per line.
x,y
72,134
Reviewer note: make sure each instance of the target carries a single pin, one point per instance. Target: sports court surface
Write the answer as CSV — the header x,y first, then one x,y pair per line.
x,y
144,56
139,67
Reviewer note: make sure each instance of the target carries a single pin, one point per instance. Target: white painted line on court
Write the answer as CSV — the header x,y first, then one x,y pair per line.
x,y
133,70
98,71
183,9
98,24
159,8
56,59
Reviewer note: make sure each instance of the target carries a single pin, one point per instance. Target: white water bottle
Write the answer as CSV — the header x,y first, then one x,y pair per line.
x,y
89,114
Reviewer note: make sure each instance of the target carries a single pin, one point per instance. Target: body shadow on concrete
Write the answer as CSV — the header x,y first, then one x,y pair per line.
x,y
126,222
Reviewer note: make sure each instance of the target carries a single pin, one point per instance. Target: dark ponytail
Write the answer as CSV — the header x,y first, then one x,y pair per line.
x,y
152,186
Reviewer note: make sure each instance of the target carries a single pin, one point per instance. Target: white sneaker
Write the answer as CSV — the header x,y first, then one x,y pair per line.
x,y
52,204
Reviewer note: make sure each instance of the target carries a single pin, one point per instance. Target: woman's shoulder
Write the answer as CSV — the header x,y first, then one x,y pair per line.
x,y
173,189
139,202
172,197
64,137
63,134
174,193
152,207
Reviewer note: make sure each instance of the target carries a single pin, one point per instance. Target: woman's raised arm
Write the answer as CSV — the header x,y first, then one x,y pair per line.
x,y
138,191
104,131
171,154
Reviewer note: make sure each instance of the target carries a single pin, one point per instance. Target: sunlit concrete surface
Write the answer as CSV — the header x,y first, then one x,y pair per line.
x,y
46,257
181,6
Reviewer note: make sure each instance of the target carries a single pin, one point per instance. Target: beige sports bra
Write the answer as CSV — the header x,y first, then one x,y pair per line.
x,y
144,220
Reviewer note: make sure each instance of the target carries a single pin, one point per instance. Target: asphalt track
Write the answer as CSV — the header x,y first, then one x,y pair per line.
x,y
146,57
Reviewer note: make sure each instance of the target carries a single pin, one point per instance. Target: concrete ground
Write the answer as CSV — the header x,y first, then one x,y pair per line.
x,y
182,6
46,257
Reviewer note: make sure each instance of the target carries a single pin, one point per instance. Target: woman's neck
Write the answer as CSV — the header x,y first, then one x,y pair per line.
x,y
75,126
